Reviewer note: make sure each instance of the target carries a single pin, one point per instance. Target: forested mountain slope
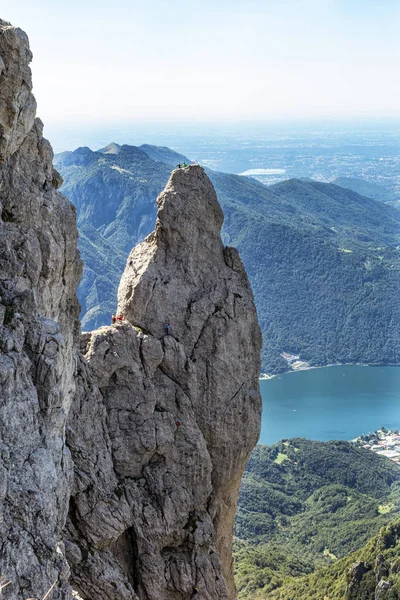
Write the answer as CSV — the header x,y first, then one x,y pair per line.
x,y
371,573
369,189
303,505
323,261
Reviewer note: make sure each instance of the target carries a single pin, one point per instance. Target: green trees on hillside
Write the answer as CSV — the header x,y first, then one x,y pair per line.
x,y
321,503
371,573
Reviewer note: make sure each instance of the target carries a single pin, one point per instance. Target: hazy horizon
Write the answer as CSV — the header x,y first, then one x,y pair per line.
x,y
255,61
175,135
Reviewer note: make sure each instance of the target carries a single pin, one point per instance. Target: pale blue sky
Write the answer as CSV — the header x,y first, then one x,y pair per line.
x,y
107,60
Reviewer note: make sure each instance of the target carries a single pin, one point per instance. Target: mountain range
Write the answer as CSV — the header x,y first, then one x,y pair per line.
x,y
323,261
369,189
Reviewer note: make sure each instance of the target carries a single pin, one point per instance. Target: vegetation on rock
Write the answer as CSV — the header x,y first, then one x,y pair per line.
x,y
371,573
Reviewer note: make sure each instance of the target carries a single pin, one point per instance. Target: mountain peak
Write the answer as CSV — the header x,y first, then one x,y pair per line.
x,y
112,148
17,103
187,235
189,202
164,154
82,157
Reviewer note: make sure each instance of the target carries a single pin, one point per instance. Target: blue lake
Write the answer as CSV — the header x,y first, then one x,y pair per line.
x,y
338,402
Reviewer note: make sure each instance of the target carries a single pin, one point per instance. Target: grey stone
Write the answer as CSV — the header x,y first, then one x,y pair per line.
x,y
160,426
2,313
39,272
173,416
381,589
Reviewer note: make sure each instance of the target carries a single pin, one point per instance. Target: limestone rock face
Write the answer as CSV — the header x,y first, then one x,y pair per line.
x,y
165,419
39,273
161,421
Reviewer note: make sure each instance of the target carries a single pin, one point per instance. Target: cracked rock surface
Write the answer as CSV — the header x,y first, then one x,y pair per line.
x,y
164,421
39,273
159,423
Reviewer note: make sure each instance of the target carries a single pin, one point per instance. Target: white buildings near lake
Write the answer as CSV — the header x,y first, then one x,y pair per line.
x,y
383,442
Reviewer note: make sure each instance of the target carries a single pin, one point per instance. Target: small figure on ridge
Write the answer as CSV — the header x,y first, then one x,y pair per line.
x,y
113,319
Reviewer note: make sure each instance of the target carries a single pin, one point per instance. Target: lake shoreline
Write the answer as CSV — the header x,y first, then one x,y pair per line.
x,y
266,376
331,404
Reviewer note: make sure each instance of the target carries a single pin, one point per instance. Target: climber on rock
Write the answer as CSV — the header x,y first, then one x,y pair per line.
x,y
113,319
168,328
120,318
179,166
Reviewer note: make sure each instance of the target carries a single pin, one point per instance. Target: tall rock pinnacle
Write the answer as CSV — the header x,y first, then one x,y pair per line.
x,y
176,416
39,273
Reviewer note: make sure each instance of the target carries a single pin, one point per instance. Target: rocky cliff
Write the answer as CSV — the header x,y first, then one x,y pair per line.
x,y
160,422
176,415
39,273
